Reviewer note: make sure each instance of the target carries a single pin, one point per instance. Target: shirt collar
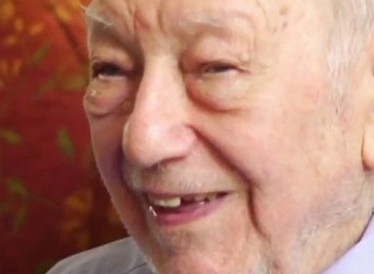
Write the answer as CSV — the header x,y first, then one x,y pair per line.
x,y
360,258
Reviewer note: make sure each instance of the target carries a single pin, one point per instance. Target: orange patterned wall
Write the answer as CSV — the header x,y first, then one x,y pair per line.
x,y
52,203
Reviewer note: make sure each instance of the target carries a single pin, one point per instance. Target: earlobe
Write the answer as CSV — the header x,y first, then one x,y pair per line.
x,y
368,138
368,146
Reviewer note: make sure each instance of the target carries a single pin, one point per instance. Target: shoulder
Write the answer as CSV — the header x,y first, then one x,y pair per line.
x,y
119,257
360,259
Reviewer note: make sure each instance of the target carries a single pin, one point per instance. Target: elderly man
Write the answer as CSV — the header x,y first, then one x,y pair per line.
x,y
234,137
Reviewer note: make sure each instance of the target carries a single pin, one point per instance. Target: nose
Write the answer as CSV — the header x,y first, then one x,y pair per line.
x,y
158,128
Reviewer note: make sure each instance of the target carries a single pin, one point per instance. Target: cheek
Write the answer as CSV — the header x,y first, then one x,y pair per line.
x,y
106,133
264,144
279,155
106,139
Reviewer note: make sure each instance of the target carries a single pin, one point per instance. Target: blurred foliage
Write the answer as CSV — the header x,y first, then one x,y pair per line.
x,y
52,203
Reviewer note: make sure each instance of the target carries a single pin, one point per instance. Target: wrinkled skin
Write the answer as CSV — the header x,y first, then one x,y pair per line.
x,y
205,96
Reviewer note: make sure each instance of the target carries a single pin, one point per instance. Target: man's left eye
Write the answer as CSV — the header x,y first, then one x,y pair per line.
x,y
217,68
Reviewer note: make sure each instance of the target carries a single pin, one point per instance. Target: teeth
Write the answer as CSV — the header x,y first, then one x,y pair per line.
x,y
175,202
212,197
167,203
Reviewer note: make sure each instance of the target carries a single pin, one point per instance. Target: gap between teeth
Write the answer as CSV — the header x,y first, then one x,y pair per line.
x,y
175,202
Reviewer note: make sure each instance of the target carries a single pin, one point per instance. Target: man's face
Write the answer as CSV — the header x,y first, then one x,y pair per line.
x,y
215,129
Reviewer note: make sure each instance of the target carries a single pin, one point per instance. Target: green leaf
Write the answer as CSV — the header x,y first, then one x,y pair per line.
x,y
76,83
10,137
65,143
39,55
47,86
19,219
17,188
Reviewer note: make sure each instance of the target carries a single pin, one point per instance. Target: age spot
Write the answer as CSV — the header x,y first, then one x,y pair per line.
x,y
284,10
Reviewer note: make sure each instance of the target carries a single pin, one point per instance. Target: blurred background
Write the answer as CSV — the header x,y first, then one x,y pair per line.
x,y
52,203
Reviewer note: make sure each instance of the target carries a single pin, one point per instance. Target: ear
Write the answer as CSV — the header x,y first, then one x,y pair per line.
x,y
368,144
368,140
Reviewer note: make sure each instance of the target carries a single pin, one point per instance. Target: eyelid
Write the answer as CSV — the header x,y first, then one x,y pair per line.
x,y
100,68
222,66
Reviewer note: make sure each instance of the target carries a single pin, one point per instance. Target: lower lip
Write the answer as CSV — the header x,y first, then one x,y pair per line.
x,y
195,212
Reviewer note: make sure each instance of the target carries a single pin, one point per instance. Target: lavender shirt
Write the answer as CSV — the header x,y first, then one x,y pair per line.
x,y
360,258
124,257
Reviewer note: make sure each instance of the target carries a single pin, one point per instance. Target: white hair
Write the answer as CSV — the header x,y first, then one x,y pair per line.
x,y
353,27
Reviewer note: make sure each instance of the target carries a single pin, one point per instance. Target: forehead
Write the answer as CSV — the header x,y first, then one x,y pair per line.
x,y
160,13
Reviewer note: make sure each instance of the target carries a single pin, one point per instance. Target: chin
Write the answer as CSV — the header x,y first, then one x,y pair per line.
x,y
198,261
189,265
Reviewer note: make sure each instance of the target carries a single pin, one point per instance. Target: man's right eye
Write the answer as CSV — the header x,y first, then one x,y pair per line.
x,y
105,70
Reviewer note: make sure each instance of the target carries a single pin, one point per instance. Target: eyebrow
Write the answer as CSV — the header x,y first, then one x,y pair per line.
x,y
190,27
93,16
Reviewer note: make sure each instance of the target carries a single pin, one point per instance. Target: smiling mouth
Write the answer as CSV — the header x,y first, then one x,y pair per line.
x,y
177,210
